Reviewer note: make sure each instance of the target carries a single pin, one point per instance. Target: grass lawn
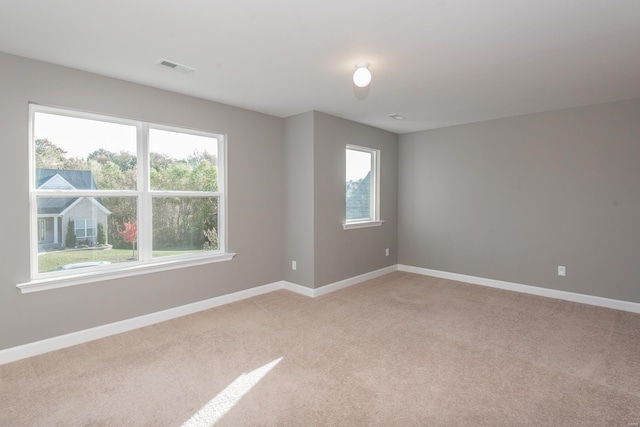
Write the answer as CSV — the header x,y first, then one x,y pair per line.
x,y
52,261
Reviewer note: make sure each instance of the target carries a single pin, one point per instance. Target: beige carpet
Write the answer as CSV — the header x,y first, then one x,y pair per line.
x,y
400,350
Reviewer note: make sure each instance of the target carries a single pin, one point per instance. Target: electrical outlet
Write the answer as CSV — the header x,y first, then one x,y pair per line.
x,y
562,270
386,252
293,265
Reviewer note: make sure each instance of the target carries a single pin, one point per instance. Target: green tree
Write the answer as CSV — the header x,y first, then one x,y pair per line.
x,y
204,176
109,176
70,237
101,156
102,237
123,159
49,155
211,236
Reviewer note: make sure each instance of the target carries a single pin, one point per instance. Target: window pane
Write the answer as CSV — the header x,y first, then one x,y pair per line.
x,y
184,225
183,162
81,154
85,232
358,185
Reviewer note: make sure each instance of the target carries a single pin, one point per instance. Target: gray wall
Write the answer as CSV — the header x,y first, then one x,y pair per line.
x,y
512,199
314,201
255,202
298,199
341,254
286,201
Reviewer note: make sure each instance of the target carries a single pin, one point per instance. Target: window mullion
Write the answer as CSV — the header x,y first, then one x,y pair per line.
x,y
222,198
373,187
145,216
85,193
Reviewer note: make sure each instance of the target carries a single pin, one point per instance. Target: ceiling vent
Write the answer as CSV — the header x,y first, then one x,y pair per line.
x,y
175,66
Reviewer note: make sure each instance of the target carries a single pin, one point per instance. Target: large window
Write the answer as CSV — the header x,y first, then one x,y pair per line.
x,y
114,195
362,187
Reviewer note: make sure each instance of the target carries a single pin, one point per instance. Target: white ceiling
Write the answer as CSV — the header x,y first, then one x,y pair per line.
x,y
436,62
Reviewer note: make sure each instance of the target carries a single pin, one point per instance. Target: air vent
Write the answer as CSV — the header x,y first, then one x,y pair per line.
x,y
175,66
395,116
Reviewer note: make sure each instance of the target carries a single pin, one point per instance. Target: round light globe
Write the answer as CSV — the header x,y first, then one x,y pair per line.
x,y
362,76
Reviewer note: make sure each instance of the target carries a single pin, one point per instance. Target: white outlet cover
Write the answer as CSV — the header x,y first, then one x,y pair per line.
x,y
562,270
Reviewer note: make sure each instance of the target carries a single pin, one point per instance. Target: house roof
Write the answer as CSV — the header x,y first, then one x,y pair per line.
x,y
78,179
68,180
54,205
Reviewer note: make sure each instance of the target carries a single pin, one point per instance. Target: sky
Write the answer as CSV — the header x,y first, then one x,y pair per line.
x,y
80,137
359,164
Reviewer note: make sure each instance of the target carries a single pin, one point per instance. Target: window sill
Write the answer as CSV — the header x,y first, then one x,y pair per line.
x,y
362,224
43,284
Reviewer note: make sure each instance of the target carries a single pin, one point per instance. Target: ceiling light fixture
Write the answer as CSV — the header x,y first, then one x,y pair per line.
x,y
362,75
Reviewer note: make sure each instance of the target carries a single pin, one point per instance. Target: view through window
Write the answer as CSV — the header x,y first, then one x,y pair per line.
x,y
361,184
109,191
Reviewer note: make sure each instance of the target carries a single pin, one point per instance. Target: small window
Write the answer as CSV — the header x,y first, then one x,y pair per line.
x,y
362,192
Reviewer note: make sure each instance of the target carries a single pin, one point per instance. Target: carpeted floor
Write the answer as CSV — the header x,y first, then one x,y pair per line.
x,y
400,350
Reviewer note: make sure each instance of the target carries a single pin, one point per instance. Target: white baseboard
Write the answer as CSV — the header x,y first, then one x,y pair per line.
x,y
527,289
44,346
56,343
298,289
75,338
332,287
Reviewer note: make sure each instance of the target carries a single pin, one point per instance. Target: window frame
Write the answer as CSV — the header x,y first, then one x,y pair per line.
x,y
146,262
374,184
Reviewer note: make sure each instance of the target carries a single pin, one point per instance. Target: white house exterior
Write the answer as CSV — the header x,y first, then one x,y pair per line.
x,y
54,213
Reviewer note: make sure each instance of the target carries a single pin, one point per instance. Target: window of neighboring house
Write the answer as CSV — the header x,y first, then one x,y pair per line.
x,y
149,196
41,230
362,187
85,228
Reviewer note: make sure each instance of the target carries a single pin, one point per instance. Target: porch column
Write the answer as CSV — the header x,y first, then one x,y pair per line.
x,y
55,229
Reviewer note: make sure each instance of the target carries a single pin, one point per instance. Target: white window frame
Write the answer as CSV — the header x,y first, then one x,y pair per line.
x,y
374,183
145,263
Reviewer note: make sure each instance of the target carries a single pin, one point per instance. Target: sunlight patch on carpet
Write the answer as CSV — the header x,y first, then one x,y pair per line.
x,y
211,413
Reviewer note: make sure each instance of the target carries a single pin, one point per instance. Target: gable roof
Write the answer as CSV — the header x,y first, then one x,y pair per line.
x,y
79,180
54,205
66,180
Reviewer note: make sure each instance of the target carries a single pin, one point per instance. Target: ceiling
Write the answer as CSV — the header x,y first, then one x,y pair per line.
x,y
436,62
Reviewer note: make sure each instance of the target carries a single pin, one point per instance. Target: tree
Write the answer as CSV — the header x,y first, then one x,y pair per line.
x,y
70,237
124,160
102,237
49,155
130,235
212,239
